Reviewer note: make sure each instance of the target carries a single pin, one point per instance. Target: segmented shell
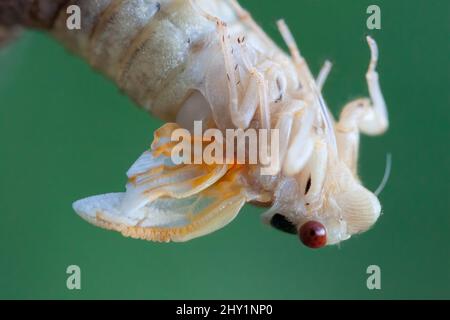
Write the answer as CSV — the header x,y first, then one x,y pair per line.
x,y
154,50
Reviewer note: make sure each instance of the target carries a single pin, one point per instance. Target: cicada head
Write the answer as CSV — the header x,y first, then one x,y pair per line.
x,y
326,210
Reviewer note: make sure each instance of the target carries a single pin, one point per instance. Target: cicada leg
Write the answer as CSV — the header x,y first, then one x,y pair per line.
x,y
300,62
301,142
246,18
310,90
364,115
323,74
289,124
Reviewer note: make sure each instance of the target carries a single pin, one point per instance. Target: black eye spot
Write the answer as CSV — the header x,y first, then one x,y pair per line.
x,y
279,222
278,82
308,185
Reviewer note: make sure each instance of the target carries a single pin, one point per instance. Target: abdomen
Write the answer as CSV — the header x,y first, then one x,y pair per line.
x,y
147,47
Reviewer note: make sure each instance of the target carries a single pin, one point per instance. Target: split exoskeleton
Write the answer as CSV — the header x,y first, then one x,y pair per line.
x,y
208,61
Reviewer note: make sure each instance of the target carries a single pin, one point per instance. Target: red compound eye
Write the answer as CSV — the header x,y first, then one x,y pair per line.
x,y
313,234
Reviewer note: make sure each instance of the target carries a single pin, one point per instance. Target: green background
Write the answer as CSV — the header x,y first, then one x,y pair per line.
x,y
66,133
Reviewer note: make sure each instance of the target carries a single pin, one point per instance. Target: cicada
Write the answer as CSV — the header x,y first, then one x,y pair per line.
x,y
207,60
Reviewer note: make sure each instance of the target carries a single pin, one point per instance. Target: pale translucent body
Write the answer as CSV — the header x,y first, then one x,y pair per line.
x,y
207,60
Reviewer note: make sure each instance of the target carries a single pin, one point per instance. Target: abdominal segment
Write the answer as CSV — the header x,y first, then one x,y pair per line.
x,y
150,48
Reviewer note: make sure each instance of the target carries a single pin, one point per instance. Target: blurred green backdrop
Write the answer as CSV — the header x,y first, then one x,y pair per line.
x,y
66,133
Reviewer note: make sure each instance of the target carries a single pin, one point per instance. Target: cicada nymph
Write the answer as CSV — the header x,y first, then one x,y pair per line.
x,y
207,60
